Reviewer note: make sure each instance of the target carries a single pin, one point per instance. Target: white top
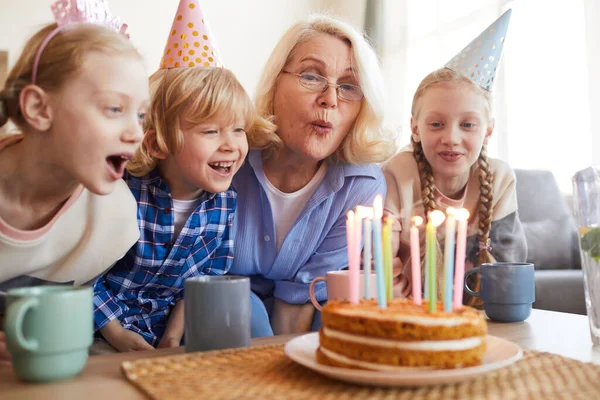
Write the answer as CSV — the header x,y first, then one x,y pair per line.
x,y
183,209
288,206
87,235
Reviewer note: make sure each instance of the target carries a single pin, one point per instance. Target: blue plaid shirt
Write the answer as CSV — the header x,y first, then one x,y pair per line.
x,y
141,288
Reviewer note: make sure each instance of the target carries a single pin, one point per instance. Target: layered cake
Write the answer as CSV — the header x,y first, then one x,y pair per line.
x,y
365,336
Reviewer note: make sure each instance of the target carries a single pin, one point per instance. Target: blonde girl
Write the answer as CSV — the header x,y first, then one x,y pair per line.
x,y
446,165
77,95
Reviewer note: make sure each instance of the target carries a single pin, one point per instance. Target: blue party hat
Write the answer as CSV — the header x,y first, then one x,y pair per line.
x,y
479,60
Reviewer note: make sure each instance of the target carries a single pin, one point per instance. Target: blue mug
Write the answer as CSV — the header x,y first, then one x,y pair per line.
x,y
507,290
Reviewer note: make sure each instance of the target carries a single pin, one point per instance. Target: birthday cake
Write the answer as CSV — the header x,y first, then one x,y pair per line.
x,y
365,336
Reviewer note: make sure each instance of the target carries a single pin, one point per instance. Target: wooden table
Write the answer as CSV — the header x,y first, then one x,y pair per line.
x,y
560,333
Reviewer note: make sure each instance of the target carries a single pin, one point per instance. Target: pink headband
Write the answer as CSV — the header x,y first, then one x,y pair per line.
x,y
71,12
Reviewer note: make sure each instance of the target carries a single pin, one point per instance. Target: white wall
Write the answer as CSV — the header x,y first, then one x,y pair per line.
x,y
245,30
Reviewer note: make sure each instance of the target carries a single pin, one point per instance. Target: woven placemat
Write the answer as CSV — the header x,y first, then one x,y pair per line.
x,y
265,372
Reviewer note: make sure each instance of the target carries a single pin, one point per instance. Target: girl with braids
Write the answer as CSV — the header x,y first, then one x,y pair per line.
x,y
446,164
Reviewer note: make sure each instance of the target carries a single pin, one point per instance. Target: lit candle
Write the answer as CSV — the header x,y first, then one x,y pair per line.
x,y
378,252
415,259
387,257
367,214
352,265
436,217
426,274
462,216
449,258
358,217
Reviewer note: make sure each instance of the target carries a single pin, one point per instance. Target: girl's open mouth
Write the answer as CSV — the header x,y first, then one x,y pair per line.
x,y
116,165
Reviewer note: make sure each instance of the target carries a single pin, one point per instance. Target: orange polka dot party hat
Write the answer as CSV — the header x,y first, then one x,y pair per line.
x,y
191,42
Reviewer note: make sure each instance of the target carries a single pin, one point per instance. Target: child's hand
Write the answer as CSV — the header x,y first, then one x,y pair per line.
x,y
130,341
402,287
123,339
4,354
175,327
168,341
396,229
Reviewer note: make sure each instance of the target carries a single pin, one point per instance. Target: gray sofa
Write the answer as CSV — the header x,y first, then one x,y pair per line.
x,y
552,242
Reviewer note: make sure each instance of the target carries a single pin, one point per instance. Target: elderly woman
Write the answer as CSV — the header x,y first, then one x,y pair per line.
x,y
323,89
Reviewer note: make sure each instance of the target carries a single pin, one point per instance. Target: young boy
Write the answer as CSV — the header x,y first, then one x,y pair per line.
x,y
195,141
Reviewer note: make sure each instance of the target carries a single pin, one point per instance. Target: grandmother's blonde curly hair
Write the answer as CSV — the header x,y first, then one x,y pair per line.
x,y
367,141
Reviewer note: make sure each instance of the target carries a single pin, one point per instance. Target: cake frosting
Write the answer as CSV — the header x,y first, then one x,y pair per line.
x,y
401,335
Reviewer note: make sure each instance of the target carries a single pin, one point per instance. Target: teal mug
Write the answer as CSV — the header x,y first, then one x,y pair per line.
x,y
48,331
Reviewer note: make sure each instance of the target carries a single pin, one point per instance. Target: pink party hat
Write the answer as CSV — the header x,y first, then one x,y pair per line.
x,y
191,42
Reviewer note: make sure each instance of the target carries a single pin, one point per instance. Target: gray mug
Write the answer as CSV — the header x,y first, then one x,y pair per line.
x,y
507,290
217,312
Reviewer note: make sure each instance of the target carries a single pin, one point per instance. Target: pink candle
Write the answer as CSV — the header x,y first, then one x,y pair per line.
x,y
352,265
462,217
415,259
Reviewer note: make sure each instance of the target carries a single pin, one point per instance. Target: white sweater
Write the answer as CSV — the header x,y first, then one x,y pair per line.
x,y
84,239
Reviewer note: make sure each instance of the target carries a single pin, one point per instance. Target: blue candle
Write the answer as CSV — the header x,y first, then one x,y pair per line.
x,y
367,222
449,259
378,250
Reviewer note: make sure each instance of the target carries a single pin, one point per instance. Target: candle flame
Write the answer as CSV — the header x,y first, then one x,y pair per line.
x,y
364,212
451,211
378,207
462,214
350,215
436,217
417,220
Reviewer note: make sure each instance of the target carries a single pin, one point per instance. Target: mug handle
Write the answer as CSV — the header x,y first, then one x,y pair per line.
x,y
13,326
311,291
467,288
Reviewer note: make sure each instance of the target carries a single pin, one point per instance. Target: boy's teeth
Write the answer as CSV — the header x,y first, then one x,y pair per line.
x,y
222,164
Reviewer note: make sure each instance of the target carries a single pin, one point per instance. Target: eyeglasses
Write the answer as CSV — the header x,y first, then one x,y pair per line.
x,y
318,83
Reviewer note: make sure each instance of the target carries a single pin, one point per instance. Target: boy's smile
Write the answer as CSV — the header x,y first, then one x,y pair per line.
x,y
212,153
223,168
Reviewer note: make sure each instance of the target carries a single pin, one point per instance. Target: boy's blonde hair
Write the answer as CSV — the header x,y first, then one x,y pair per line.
x,y
184,96
367,141
447,76
61,59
